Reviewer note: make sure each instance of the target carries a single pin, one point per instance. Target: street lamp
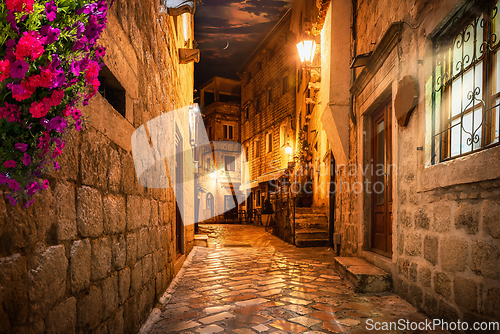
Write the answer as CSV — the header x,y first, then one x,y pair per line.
x,y
307,49
288,149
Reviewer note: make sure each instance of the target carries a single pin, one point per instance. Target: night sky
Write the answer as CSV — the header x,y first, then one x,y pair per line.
x,y
242,24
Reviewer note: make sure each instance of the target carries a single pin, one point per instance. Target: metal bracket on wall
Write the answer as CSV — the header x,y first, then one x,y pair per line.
x,y
189,55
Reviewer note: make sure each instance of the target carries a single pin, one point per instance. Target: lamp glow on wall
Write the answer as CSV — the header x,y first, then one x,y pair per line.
x,y
307,49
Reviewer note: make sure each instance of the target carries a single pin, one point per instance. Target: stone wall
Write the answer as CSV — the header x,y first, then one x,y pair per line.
x,y
96,249
446,241
264,74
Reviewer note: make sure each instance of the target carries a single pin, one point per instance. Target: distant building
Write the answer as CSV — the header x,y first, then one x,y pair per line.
x,y
220,107
268,110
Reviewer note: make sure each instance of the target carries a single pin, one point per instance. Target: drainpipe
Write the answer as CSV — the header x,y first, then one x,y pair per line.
x,y
331,226
353,70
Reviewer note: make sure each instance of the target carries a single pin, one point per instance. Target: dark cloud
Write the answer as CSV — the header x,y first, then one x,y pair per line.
x,y
271,9
241,24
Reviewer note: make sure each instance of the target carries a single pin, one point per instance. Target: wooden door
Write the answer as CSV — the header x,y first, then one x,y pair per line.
x,y
382,181
179,163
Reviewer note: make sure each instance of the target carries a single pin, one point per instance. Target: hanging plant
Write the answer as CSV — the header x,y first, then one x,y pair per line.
x,y
49,65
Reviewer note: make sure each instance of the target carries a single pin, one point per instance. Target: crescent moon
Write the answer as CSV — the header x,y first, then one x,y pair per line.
x,y
226,46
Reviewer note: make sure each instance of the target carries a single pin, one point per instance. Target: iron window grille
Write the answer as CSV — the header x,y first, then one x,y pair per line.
x,y
466,82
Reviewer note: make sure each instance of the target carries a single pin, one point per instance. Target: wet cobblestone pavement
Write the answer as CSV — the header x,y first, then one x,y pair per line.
x,y
248,281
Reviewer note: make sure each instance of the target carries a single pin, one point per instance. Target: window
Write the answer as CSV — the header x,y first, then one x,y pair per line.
x,y
111,89
210,133
257,105
269,96
228,131
269,142
247,112
230,163
284,85
271,52
283,135
466,80
257,149
207,166
210,201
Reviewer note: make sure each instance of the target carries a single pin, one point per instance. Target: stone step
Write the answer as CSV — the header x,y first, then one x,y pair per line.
x,y
365,278
320,211
304,225
311,242
311,216
311,234
201,240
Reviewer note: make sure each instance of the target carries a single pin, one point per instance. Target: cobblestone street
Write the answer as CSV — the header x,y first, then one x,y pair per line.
x,y
248,281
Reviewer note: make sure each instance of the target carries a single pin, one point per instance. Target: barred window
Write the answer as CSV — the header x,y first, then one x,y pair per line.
x,y
466,82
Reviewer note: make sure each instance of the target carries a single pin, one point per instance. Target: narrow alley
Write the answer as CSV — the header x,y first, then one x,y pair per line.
x,y
248,281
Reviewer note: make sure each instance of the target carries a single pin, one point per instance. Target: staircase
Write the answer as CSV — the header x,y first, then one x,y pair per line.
x,y
311,228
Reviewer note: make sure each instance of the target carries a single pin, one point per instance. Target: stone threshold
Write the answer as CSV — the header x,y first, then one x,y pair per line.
x,y
363,276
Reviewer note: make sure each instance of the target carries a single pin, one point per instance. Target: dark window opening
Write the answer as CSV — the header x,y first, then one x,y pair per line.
x,y
257,149
111,89
285,85
228,131
271,52
209,98
230,164
229,98
210,201
247,112
269,142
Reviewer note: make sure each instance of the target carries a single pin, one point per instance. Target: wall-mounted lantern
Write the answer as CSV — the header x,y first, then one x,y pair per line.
x,y
288,149
307,49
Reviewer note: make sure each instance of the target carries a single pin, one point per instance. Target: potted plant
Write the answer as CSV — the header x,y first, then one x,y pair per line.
x,y
267,212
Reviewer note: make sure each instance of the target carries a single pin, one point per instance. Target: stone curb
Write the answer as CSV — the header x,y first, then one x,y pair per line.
x,y
155,314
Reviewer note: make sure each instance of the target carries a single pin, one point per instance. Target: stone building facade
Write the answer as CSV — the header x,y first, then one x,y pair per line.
x,y
395,119
268,83
96,249
220,163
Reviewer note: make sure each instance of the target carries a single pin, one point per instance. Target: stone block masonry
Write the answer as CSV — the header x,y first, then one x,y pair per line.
x,y
444,231
95,250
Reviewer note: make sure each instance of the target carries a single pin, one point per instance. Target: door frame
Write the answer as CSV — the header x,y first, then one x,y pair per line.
x,y
383,111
